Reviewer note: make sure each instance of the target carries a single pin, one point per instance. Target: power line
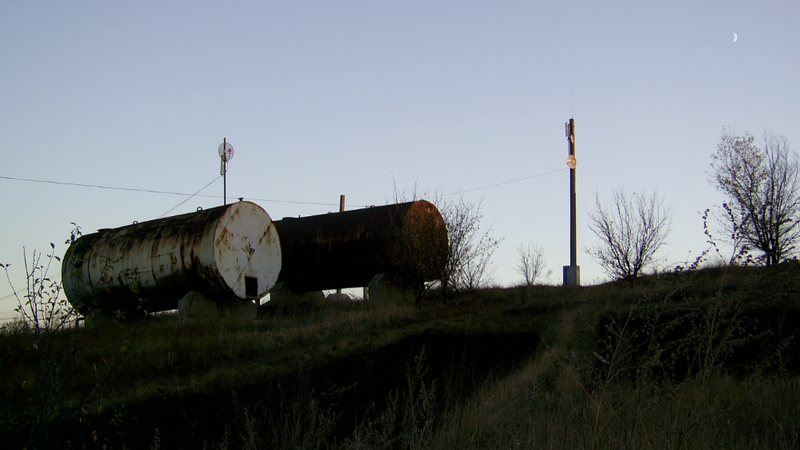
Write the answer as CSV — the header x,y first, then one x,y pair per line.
x,y
152,191
293,202
189,197
96,186
197,194
300,203
55,277
507,182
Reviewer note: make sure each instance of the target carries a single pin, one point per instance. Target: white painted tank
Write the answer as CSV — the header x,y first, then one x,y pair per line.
x,y
227,254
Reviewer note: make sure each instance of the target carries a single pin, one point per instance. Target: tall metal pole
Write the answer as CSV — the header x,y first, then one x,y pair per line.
x,y
341,209
573,197
572,273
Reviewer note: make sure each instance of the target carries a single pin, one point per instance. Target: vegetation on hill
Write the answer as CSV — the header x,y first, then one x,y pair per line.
x,y
689,359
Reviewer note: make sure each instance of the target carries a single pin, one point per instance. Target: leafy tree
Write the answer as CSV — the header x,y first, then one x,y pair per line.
x,y
763,194
630,233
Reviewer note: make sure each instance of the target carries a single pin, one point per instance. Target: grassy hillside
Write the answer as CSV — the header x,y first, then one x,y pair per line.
x,y
681,360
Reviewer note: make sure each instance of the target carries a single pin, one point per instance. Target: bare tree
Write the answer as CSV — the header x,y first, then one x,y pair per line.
x,y
417,248
470,249
630,233
531,263
763,194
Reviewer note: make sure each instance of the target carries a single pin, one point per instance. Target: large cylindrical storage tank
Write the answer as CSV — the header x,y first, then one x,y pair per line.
x,y
227,254
347,249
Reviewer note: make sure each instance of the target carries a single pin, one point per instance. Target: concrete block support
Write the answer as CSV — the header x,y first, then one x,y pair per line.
x,y
195,306
383,289
282,295
98,319
339,297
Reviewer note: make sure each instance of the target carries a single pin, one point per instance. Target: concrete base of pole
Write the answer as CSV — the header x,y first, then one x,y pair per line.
x,y
572,275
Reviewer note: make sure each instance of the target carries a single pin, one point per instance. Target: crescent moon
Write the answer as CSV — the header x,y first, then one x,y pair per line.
x,y
735,37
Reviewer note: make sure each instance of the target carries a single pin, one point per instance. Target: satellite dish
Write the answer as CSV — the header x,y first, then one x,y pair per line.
x,y
225,151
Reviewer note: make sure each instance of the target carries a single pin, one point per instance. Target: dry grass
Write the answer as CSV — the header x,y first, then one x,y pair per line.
x,y
604,377
547,405
571,396
170,356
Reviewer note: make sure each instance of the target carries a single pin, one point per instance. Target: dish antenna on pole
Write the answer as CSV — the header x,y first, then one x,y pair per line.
x,y
225,154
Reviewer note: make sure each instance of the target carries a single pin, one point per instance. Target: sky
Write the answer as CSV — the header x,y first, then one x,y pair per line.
x,y
365,98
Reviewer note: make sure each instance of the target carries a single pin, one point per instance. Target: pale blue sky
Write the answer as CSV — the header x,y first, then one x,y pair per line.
x,y
343,97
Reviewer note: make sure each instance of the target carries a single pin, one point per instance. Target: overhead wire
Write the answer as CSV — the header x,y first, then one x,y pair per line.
x,y
302,203
506,182
197,194
294,202
15,293
96,186
189,197
153,191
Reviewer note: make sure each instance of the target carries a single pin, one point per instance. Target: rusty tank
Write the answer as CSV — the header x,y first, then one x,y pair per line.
x,y
347,249
227,254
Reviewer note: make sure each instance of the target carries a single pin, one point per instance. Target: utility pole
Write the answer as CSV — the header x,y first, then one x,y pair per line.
x,y
572,272
341,209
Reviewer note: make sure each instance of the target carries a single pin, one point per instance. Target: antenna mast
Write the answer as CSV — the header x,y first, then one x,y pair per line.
x,y
572,272
225,155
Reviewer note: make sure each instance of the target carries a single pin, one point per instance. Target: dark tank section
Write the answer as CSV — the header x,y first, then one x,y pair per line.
x,y
347,249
